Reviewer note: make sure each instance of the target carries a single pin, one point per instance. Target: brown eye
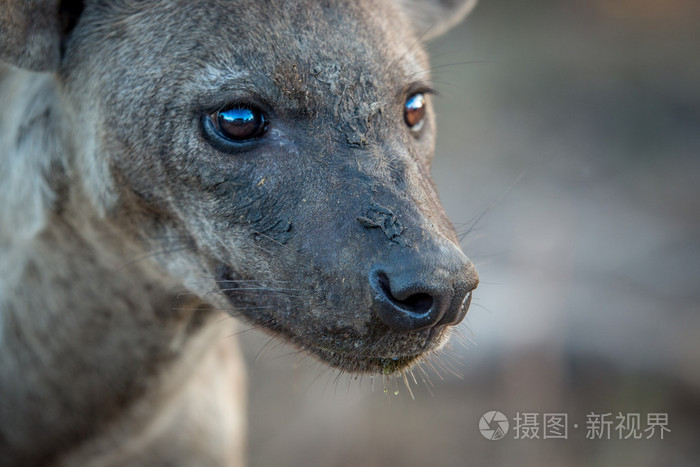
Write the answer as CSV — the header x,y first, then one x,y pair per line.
x,y
239,123
414,111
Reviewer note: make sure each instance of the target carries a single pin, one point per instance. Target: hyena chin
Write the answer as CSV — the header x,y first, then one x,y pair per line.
x,y
163,163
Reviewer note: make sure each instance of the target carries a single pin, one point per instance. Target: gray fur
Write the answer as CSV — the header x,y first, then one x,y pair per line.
x,y
124,235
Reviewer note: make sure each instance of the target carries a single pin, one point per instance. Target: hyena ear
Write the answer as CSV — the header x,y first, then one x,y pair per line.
x,y
434,17
32,32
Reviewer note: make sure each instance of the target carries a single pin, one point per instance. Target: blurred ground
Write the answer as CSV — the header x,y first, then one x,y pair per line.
x,y
572,131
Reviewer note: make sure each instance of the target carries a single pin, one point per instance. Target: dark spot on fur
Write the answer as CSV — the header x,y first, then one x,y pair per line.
x,y
292,82
278,230
383,218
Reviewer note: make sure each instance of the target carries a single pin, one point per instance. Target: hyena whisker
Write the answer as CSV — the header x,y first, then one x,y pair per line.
x,y
225,317
252,327
238,333
273,344
276,242
479,305
262,350
340,372
271,292
228,312
429,362
472,223
462,339
475,220
446,88
443,66
413,375
351,382
455,64
149,255
331,373
260,289
407,384
180,295
425,376
288,261
447,363
198,309
237,281
415,44
321,372
492,255
302,358
261,307
484,263
284,355
258,286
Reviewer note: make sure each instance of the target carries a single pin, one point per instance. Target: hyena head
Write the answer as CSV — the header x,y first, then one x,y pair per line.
x,y
277,155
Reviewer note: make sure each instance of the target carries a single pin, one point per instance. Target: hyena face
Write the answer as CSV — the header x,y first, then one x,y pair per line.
x,y
277,155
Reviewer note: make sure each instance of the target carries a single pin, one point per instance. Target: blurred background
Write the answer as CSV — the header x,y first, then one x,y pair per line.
x,y
569,157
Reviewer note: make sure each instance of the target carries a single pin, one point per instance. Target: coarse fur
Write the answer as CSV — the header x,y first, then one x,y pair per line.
x,y
127,231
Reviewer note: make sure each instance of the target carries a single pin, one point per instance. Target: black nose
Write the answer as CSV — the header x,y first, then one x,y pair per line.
x,y
422,291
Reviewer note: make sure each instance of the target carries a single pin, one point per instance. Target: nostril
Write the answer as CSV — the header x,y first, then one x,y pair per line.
x,y
418,304
404,302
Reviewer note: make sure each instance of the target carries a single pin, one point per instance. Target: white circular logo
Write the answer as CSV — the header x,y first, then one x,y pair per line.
x,y
493,425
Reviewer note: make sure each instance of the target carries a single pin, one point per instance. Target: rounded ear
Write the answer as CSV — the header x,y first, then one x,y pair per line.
x,y
32,31
434,17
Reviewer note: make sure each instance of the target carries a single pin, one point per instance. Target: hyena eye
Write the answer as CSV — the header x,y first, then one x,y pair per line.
x,y
239,123
414,111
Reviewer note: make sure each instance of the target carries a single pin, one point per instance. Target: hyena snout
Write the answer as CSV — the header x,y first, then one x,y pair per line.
x,y
423,290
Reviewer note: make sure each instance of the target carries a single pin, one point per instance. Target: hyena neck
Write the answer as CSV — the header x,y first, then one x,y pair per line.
x,y
86,331
68,281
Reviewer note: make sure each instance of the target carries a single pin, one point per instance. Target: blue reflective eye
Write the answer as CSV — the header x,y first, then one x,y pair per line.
x,y
414,111
239,123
